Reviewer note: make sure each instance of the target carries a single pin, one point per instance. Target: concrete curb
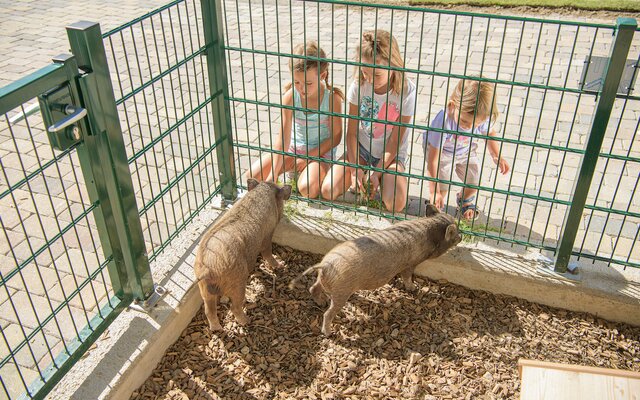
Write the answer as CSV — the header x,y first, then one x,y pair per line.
x,y
124,357
136,342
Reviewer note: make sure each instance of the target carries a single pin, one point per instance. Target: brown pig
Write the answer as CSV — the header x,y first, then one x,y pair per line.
x,y
228,250
371,261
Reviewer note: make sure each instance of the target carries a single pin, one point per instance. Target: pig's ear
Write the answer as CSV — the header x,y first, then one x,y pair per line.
x,y
451,233
431,210
252,183
285,192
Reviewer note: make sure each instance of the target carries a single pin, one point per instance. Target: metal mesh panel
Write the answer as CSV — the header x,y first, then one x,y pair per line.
x,y
159,75
53,281
612,219
545,115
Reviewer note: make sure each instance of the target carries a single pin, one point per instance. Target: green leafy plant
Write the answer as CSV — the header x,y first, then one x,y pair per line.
x,y
293,182
468,226
291,209
368,199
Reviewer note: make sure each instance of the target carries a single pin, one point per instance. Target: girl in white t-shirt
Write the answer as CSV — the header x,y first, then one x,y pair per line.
x,y
377,95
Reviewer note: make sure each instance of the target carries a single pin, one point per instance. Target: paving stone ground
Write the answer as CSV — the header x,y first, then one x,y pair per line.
x,y
168,179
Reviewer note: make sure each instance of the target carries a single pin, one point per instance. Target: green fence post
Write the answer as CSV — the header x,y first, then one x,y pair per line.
x,y
92,175
219,89
108,160
611,80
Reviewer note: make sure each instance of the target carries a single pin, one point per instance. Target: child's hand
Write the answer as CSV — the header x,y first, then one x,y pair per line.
x,y
374,183
439,201
502,164
359,177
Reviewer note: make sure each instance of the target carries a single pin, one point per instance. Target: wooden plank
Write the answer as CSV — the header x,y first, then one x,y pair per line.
x,y
578,368
544,380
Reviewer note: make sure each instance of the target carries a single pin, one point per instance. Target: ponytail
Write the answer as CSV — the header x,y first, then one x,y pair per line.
x,y
332,89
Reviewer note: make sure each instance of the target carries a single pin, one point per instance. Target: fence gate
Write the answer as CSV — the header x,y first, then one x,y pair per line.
x,y
69,218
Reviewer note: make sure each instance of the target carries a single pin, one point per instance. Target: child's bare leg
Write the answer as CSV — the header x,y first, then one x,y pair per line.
x,y
335,182
260,169
311,178
468,193
394,189
467,171
439,197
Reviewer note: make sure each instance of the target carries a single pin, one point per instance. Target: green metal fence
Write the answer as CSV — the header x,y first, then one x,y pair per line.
x,y
50,288
169,103
194,97
548,112
83,219
73,255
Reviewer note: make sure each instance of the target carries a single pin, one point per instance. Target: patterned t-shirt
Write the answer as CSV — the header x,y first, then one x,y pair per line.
x,y
390,107
461,144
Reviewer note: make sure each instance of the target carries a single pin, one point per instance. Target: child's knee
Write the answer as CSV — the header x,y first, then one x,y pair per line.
x,y
394,201
311,191
327,191
395,204
330,189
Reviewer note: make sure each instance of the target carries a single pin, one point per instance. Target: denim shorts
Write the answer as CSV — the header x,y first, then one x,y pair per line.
x,y
373,161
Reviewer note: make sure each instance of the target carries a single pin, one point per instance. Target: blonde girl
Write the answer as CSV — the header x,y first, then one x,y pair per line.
x,y
471,108
305,133
381,93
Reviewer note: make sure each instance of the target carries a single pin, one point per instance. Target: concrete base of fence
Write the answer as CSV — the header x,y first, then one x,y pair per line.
x,y
125,356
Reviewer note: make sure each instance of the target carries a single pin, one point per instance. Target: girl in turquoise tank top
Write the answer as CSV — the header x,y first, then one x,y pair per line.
x,y
303,133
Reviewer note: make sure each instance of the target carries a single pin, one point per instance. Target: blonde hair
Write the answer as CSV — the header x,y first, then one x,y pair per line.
x,y
381,47
311,49
475,98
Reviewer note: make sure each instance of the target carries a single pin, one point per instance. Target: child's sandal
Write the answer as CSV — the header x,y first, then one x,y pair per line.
x,y
466,205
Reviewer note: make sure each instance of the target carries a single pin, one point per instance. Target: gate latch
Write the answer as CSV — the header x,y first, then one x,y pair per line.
x,y
61,117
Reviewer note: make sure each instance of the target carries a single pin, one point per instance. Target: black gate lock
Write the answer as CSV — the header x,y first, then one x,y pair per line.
x,y
60,117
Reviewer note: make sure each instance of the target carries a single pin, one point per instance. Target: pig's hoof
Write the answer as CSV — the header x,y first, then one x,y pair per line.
x,y
410,286
326,331
242,320
320,301
273,263
215,326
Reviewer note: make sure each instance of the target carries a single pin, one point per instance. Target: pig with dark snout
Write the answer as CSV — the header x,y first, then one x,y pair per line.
x,y
228,251
371,261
